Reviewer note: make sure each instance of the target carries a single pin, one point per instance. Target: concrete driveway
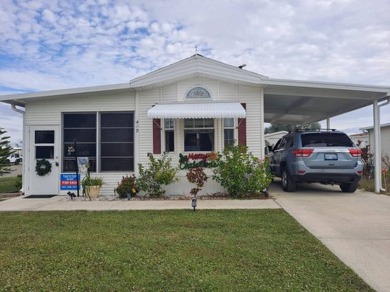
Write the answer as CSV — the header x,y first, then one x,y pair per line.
x,y
15,170
355,227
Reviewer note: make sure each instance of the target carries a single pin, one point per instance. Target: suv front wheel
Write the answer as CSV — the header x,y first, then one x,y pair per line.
x,y
288,184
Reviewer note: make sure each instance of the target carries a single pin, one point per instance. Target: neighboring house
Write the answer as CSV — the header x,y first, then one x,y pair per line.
x,y
272,138
385,137
196,105
360,139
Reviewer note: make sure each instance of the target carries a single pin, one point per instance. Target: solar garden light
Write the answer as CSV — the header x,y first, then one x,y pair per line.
x,y
194,203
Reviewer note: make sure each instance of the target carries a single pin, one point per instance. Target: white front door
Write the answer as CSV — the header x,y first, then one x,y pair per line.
x,y
44,141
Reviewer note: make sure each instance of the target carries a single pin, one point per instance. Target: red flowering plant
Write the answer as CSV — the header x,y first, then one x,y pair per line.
x,y
128,185
198,177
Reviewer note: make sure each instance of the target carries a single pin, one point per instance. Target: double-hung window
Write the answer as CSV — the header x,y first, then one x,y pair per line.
x,y
169,129
199,135
228,132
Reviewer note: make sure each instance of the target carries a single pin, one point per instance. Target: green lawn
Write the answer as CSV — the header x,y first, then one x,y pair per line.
x,y
7,184
224,250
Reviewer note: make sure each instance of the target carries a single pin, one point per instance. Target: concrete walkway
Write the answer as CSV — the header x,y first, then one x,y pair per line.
x,y
355,227
62,203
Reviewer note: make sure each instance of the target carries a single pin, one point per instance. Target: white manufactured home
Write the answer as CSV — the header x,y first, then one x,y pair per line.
x,y
385,138
197,105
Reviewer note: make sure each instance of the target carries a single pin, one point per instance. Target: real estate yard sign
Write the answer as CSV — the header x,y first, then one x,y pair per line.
x,y
69,181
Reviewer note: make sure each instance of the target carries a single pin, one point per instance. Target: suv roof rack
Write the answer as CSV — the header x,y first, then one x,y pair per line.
x,y
315,130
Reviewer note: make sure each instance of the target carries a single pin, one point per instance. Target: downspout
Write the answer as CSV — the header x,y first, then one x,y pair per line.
x,y
13,106
377,144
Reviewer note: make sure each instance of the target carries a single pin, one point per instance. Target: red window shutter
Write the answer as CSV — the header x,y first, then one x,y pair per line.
x,y
242,129
156,136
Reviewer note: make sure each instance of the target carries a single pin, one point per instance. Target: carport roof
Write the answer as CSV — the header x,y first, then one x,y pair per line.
x,y
302,102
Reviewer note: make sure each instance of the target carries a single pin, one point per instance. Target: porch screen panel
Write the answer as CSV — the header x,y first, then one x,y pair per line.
x,y
79,127
117,141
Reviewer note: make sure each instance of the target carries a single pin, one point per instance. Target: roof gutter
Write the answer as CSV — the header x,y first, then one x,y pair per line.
x,y
13,106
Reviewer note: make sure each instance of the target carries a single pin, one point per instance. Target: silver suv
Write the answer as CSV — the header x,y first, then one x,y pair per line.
x,y
324,156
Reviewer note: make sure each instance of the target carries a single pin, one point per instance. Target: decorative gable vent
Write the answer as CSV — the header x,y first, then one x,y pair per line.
x,y
198,93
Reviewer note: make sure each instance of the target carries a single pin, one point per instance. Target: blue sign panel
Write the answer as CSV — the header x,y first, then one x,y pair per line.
x,y
69,181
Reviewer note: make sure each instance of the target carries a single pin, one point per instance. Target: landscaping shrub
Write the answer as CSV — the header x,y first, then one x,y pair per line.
x,y
128,185
241,173
159,173
18,182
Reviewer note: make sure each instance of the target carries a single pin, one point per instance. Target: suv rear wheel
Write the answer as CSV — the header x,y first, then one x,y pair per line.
x,y
288,184
349,188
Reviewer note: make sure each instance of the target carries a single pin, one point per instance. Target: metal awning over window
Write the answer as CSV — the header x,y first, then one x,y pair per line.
x,y
208,110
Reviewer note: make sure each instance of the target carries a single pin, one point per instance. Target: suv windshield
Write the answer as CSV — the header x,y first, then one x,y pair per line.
x,y
326,140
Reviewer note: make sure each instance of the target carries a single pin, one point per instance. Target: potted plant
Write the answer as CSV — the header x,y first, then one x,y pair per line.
x,y
127,187
91,186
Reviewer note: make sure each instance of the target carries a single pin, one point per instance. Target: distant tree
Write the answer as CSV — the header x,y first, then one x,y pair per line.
x,y
5,151
313,126
279,127
283,127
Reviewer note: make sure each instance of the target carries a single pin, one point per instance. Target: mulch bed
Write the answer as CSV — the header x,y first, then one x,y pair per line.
x,y
216,196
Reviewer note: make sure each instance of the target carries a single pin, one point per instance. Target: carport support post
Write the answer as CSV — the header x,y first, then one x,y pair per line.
x,y
327,123
377,147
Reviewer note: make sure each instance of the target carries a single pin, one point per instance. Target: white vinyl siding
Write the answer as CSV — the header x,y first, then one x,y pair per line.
x,y
385,137
253,97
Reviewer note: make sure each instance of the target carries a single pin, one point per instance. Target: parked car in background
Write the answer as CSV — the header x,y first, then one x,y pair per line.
x,y
15,158
323,156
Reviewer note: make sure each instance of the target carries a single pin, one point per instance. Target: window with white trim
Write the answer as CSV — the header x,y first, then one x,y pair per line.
x,y
169,131
199,135
228,132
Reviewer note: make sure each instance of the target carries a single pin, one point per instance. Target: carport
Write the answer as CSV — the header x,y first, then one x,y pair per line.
x,y
301,103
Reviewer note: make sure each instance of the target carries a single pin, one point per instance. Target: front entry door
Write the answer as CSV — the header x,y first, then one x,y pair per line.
x,y
45,144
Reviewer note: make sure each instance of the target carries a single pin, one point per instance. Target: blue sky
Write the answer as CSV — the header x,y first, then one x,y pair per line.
x,y
46,45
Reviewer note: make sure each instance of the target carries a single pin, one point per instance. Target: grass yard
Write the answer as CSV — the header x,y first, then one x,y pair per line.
x,y
7,184
218,250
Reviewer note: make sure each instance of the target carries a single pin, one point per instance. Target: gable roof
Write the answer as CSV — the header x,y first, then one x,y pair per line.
x,y
196,66
285,101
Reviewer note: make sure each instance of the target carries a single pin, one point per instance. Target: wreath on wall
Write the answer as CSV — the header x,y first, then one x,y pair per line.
x,y
43,167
